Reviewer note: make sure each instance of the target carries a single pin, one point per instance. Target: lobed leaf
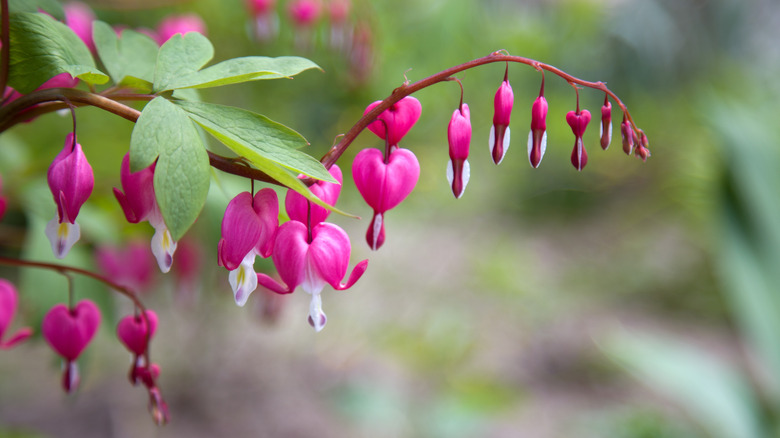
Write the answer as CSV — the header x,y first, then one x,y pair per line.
x,y
166,134
179,57
244,69
129,59
42,48
52,7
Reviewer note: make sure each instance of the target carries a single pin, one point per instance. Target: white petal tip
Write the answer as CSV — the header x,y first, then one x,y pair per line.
x,y
62,236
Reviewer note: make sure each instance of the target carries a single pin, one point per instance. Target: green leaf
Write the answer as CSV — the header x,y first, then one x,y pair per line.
x,y
53,7
42,48
266,144
245,69
713,393
165,133
252,135
129,59
179,57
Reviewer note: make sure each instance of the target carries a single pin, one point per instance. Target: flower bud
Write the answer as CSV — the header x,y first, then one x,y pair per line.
x,y
537,138
627,134
459,138
502,111
606,124
578,121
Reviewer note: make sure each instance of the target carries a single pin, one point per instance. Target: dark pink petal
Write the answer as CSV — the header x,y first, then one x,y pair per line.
x,y
304,12
260,7
537,138
241,231
266,205
384,186
459,133
69,331
357,272
179,24
398,119
290,252
297,206
9,300
79,18
133,332
329,252
70,180
273,285
138,201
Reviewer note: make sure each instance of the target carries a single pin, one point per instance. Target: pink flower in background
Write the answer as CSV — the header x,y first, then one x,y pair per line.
x,y
459,138
68,332
182,24
260,7
139,203
265,21
9,300
3,201
134,332
188,269
79,17
312,260
300,209
304,13
384,184
578,121
71,181
248,230
131,266
502,111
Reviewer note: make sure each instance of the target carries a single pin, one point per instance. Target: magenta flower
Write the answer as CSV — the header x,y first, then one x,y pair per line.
x,y
578,120
265,21
9,300
628,136
139,203
300,209
398,119
459,138
312,260
134,332
641,150
131,266
68,331
605,133
70,181
260,7
304,13
179,24
500,132
248,230
384,184
537,138
79,18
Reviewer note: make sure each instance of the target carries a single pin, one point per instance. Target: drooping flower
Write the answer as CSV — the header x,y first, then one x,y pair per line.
x,y
248,230
606,124
627,134
79,18
265,21
304,13
502,111
131,266
459,138
3,201
302,210
312,260
393,123
641,150
340,32
139,203
537,138
68,332
9,300
70,181
135,332
179,24
384,184
578,120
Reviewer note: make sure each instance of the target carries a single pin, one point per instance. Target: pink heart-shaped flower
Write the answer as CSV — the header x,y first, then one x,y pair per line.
x,y
398,119
68,331
385,185
132,331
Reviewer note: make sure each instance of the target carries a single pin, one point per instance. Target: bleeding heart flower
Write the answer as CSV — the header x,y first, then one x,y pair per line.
x,y
131,266
578,120
3,202
68,331
9,300
179,24
79,18
500,132
537,138
398,119
312,260
139,203
606,124
70,181
384,184
300,209
304,13
248,230
459,138
135,334
627,134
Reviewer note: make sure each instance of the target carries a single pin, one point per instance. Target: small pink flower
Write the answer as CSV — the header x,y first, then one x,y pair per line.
x,y
627,135
537,138
131,266
304,13
179,24
248,230
260,7
459,138
384,184
398,119
578,120
500,132
300,209
70,181
606,124
338,10
139,203
641,150
9,300
135,332
312,260
79,18
68,332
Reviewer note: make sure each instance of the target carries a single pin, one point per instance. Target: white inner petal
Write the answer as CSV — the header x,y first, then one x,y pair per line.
x,y
544,146
163,248
317,317
492,139
450,172
62,236
243,280
466,176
